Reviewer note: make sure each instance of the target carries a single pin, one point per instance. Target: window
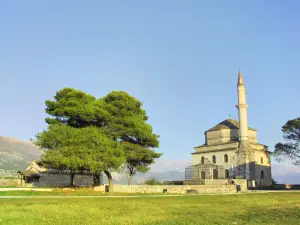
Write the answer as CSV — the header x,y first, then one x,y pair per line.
x,y
262,174
261,160
225,158
226,173
213,159
202,160
202,175
215,174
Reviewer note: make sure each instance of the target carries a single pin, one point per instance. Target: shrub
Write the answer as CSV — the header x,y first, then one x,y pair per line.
x,y
274,182
152,181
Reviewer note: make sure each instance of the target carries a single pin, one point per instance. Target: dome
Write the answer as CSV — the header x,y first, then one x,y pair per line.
x,y
227,124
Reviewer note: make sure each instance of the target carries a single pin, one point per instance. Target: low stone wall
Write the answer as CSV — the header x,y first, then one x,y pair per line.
x,y
217,181
174,189
27,189
242,183
4,182
101,188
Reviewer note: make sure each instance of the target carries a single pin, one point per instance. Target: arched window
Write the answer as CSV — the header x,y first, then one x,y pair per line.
x,y
262,174
225,158
226,173
215,174
202,160
202,175
261,160
213,159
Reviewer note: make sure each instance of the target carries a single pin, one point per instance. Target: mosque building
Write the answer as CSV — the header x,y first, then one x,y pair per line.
x,y
231,150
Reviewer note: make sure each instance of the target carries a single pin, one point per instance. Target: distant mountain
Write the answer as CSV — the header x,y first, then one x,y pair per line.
x,y
16,154
286,174
288,178
141,178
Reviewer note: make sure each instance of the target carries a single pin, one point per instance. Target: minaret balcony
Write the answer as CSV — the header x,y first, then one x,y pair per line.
x,y
241,106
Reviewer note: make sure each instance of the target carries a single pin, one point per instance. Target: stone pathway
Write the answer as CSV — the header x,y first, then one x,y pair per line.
x,y
271,191
99,196
143,196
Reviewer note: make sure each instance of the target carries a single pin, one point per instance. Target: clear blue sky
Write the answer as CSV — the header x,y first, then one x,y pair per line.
x,y
180,58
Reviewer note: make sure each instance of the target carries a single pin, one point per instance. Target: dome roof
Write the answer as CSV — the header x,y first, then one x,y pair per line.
x,y
227,124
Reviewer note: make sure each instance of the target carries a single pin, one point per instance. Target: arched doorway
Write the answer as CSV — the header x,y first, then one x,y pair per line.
x,y
226,173
262,175
202,175
215,174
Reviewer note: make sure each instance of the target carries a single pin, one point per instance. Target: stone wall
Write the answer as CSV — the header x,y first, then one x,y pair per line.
x,y
62,180
226,181
83,180
10,182
242,183
216,181
53,180
173,189
213,137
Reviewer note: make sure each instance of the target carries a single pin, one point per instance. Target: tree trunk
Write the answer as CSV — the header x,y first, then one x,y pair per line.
x,y
96,179
130,179
109,177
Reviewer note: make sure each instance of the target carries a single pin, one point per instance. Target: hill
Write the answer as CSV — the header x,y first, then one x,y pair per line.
x,y
16,155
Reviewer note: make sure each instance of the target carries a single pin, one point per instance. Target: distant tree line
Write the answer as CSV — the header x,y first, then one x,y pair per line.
x,y
97,135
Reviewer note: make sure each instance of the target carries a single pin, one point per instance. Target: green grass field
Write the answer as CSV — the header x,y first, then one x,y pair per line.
x,y
271,208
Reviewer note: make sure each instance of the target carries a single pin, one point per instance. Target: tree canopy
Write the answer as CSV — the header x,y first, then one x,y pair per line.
x,y
75,108
80,149
128,124
97,134
290,149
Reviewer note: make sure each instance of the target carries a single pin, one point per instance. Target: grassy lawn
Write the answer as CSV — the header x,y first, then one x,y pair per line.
x,y
271,208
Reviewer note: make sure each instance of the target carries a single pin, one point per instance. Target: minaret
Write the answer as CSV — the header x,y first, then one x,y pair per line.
x,y
242,109
244,154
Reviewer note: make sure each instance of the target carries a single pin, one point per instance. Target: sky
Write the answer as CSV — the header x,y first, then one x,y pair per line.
x,y
180,58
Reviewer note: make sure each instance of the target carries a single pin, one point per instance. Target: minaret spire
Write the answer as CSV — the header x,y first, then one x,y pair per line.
x,y
240,79
242,109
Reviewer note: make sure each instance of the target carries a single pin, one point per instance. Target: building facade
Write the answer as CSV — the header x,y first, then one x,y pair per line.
x,y
38,176
231,150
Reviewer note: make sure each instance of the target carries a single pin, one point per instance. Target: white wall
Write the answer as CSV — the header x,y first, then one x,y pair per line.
x,y
261,154
265,166
196,158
